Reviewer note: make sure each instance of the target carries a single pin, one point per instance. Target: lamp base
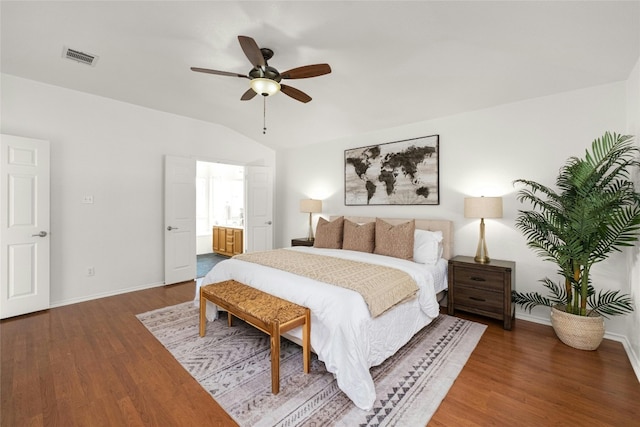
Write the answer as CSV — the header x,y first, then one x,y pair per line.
x,y
482,255
481,259
310,237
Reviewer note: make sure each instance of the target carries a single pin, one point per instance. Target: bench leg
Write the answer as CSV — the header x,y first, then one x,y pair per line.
x,y
306,342
275,358
229,319
203,314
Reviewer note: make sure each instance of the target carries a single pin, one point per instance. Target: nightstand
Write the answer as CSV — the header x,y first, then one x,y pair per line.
x,y
483,289
301,241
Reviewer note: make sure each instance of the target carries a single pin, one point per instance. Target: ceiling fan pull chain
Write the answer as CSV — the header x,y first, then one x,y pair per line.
x,y
264,115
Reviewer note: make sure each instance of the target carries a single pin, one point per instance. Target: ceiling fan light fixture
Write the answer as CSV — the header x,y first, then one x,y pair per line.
x,y
265,87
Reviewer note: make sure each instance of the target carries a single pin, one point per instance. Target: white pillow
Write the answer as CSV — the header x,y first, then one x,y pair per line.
x,y
427,246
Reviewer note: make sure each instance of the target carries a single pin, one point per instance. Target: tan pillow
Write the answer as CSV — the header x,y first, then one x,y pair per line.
x,y
359,237
329,234
395,241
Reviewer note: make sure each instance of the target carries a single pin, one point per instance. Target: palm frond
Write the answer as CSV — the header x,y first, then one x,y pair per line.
x,y
610,303
530,300
557,290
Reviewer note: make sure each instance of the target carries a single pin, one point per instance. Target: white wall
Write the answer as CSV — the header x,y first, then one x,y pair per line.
x,y
115,152
481,152
633,320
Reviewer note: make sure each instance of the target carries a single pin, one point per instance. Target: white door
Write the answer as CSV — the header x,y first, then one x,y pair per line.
x,y
259,204
24,228
179,220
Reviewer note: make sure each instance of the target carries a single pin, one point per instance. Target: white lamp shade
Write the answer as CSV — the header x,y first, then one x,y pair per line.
x,y
311,206
263,86
483,207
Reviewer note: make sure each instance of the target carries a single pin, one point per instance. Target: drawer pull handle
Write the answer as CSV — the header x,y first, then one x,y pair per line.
x,y
478,279
477,299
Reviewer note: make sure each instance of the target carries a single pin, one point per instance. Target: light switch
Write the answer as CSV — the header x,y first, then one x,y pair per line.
x,y
87,199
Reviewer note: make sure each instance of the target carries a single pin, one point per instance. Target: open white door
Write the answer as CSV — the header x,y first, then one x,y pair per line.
x,y
24,228
259,205
179,220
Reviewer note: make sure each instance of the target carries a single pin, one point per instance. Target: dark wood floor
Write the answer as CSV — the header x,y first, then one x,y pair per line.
x,y
94,363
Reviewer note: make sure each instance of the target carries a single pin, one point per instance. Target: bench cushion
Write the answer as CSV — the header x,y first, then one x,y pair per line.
x,y
254,302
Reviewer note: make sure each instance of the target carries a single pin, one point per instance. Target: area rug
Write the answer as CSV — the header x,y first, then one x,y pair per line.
x,y
234,366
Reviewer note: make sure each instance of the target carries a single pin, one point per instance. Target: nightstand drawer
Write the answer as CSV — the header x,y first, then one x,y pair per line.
x,y
483,289
480,299
486,279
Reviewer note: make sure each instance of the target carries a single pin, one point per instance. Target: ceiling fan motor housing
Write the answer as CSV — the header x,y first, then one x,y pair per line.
x,y
268,73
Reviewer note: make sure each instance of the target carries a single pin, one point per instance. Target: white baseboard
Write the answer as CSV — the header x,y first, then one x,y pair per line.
x,y
633,357
534,319
62,303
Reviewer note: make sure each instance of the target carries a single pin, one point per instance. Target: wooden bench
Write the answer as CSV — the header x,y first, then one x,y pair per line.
x,y
270,314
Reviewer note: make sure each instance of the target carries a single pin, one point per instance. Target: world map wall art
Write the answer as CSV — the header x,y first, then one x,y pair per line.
x,y
395,173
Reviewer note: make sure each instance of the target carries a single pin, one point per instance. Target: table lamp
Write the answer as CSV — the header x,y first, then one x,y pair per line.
x,y
482,207
310,206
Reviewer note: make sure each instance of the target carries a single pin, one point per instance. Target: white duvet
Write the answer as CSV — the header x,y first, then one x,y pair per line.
x,y
343,334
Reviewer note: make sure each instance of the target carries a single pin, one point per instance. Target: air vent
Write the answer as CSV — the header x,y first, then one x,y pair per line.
x,y
81,57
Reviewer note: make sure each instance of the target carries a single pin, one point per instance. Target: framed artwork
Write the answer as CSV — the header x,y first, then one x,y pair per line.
x,y
395,173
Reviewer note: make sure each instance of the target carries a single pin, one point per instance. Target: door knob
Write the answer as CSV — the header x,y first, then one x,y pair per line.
x,y
268,222
40,234
171,228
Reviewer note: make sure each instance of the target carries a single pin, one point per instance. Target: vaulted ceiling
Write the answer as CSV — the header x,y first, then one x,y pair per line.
x,y
393,62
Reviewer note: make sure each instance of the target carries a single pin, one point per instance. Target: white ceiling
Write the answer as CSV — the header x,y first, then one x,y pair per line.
x,y
393,62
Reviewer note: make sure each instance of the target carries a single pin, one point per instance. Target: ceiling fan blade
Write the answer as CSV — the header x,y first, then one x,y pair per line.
x,y
252,51
295,93
221,73
249,94
306,71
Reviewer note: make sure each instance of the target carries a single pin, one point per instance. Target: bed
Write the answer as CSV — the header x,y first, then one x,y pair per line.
x,y
344,334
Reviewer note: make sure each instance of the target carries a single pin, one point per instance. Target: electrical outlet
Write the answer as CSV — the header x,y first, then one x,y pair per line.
x,y
91,271
88,200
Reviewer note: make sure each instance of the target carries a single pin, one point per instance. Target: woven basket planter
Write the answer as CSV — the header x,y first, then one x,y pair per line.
x,y
581,332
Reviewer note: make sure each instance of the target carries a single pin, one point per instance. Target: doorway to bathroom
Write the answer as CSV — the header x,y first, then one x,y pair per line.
x,y
220,213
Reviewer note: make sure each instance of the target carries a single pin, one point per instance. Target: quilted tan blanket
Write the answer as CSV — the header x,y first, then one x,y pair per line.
x,y
381,287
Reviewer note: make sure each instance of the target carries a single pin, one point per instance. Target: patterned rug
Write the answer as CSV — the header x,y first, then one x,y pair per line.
x,y
234,366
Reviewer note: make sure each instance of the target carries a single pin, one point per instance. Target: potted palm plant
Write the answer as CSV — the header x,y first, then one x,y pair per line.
x,y
594,212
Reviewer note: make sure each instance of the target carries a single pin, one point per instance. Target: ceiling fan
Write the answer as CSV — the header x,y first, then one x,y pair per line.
x,y
265,80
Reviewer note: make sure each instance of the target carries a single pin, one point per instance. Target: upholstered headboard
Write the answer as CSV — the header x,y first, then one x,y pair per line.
x,y
444,225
